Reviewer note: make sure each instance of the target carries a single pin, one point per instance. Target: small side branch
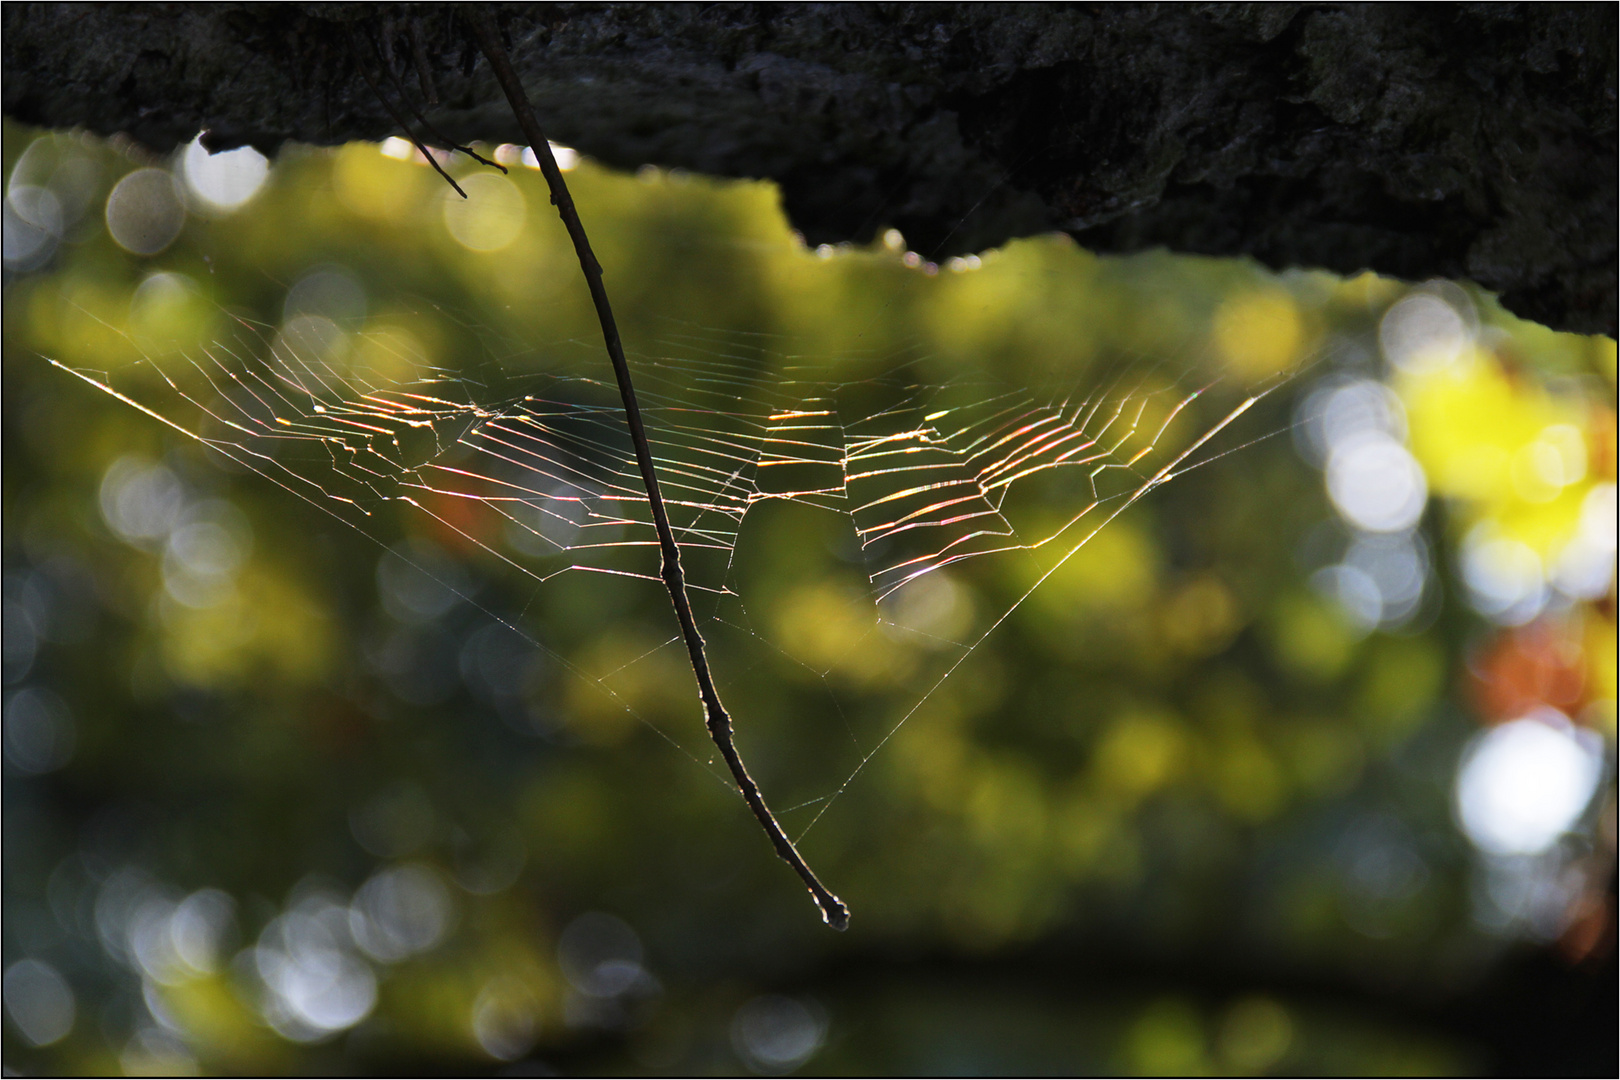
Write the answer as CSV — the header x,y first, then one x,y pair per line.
x,y
388,66
365,73
715,715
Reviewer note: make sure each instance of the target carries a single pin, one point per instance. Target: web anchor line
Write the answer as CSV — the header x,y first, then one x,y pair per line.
x,y
718,721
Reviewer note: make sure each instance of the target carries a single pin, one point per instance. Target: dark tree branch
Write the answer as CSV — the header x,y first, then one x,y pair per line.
x,y
1467,141
715,715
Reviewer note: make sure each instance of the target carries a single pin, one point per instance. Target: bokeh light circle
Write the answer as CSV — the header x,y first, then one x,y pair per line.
x,y
505,1019
226,180
39,730
1505,578
1376,483
774,1033
600,954
1524,784
1423,333
144,212
33,225
39,1002
490,217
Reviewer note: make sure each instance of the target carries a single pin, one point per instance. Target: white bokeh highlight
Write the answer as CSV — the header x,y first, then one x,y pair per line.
x,y
52,184
776,1034
1584,570
1423,333
39,1002
1524,784
144,212
1376,483
400,912
225,181
315,984
1504,577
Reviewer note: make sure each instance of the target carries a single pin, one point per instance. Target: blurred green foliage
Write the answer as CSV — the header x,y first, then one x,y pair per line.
x,y
1179,755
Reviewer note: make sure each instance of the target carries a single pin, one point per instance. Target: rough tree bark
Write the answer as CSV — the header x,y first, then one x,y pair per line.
x,y
1467,141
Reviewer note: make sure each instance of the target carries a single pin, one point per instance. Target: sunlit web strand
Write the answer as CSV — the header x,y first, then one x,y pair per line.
x,y
927,474
1176,466
257,463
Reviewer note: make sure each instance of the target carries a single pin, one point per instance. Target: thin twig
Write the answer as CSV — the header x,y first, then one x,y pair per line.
x,y
359,62
388,66
715,716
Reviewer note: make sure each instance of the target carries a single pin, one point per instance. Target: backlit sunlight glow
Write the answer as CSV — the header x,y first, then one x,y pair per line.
x,y
1525,783
315,984
1585,568
860,504
534,467
1423,333
1504,577
930,480
224,181
1376,483
1355,429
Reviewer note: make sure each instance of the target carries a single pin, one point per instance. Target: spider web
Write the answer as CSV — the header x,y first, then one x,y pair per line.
x,y
527,457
